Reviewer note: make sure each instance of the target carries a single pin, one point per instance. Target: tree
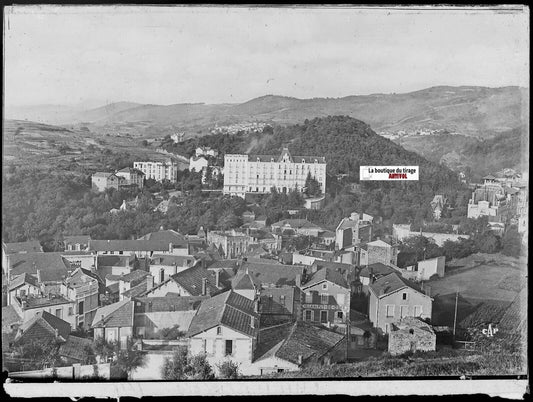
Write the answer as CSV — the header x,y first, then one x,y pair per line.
x,y
511,242
144,143
487,242
228,370
182,366
127,360
39,354
312,186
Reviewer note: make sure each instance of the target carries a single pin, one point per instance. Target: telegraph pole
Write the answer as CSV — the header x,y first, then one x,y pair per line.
x,y
455,315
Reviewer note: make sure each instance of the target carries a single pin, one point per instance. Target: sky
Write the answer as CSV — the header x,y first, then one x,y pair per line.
x,y
165,55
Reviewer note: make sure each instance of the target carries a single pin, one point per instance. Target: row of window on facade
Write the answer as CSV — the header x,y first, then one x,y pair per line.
x,y
390,310
321,316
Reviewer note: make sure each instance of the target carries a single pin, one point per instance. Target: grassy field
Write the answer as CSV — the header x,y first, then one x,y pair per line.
x,y
491,278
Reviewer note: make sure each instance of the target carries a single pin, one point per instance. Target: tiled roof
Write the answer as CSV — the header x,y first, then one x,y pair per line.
x,y
229,309
115,260
391,283
136,290
52,265
166,236
191,280
378,269
81,277
43,325
128,245
26,246
326,274
243,280
80,239
378,243
51,300
226,264
326,234
278,300
75,348
296,224
168,303
306,340
295,159
113,288
22,279
171,260
118,314
269,273
102,174
9,317
130,170
346,223
134,276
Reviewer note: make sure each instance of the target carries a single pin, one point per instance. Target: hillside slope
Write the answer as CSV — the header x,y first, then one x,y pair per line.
x,y
472,111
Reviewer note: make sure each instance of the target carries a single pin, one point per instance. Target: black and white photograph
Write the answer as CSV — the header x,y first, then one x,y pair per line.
x,y
265,200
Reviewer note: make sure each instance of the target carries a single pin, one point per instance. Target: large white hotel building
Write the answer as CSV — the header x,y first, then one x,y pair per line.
x,y
158,171
259,173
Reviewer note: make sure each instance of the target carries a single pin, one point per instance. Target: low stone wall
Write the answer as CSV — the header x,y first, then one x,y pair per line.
x,y
75,372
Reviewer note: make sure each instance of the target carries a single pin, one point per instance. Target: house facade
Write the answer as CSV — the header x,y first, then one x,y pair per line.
x,y
411,334
84,288
133,177
259,173
357,228
30,306
326,297
158,171
225,328
114,322
378,251
232,243
392,298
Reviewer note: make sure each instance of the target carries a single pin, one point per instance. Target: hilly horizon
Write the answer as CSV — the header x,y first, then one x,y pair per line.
x,y
467,110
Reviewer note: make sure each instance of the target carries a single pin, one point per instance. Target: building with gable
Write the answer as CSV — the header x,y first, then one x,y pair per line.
x,y
411,334
259,173
224,328
279,305
158,171
43,327
327,292
132,176
437,205
292,346
377,251
76,243
296,226
393,297
114,322
357,228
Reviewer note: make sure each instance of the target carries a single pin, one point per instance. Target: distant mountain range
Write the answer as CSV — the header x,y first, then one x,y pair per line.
x,y
472,111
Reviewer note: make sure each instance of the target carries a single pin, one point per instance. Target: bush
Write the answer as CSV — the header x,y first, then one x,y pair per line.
x,y
228,370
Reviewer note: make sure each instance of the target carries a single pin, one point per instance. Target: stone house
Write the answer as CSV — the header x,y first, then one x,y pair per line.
x,y
292,346
85,288
392,297
232,243
357,228
43,327
132,176
114,322
29,306
224,328
279,305
411,334
327,293
377,251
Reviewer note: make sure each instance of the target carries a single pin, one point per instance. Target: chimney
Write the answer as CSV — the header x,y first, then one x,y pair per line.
x,y
299,280
170,247
217,278
300,360
191,305
204,286
361,216
252,321
38,275
24,304
175,269
56,332
149,282
102,318
256,305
